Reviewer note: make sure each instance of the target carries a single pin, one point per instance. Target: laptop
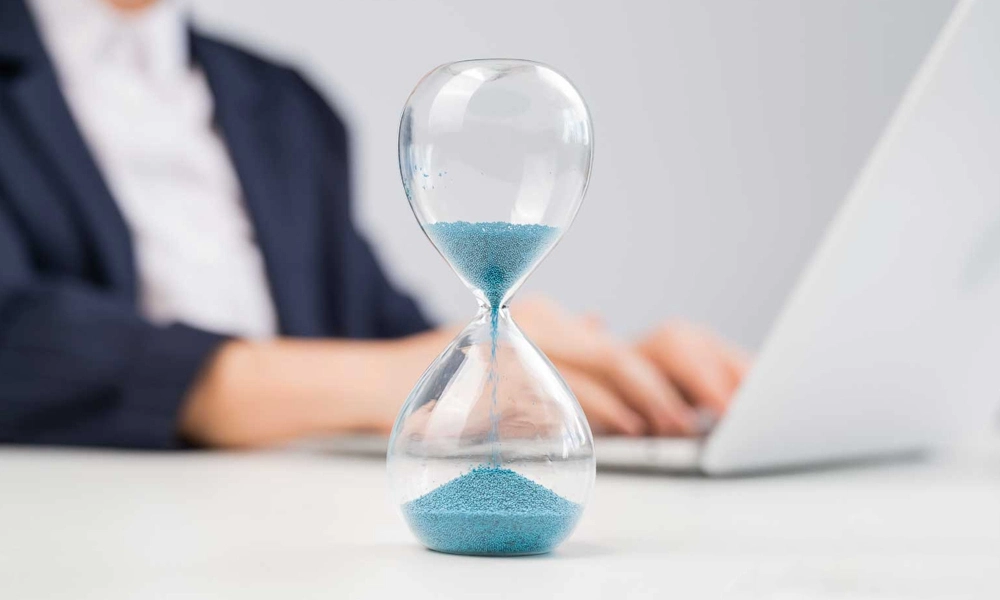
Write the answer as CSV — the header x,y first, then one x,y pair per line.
x,y
890,342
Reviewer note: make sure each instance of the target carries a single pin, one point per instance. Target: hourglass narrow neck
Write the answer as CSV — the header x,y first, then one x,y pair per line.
x,y
492,297
490,303
501,310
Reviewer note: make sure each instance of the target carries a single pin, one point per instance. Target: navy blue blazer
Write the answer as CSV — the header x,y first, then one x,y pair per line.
x,y
78,364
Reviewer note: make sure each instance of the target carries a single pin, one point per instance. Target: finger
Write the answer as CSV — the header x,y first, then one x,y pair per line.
x,y
606,412
635,378
620,367
736,360
704,372
593,321
647,391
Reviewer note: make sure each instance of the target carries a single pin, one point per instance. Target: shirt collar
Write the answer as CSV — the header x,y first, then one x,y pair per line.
x,y
81,35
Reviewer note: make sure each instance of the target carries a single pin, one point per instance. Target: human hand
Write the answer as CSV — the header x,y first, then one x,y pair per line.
x,y
649,388
705,368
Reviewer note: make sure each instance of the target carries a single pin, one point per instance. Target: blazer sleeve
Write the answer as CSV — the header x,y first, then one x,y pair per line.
x,y
394,314
78,366
373,306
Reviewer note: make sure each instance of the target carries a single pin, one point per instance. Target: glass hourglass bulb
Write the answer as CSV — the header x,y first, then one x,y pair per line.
x,y
491,453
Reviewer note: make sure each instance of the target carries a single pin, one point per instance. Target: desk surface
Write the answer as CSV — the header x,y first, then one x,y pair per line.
x,y
105,525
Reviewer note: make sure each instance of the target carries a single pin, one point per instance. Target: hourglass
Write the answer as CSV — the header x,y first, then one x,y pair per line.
x,y
491,453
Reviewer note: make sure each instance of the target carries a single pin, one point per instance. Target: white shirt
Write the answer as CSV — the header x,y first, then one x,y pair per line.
x,y
146,114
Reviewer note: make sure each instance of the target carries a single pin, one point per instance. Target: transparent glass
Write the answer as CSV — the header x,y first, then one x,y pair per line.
x,y
491,453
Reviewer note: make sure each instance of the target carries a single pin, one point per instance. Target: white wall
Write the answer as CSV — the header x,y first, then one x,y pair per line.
x,y
726,131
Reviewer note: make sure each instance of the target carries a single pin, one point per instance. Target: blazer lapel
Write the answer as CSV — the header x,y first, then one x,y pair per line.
x,y
249,116
39,104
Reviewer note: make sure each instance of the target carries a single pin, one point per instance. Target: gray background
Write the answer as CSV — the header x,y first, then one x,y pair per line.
x,y
726,132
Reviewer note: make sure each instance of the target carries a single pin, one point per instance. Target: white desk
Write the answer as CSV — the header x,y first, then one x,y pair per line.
x,y
103,525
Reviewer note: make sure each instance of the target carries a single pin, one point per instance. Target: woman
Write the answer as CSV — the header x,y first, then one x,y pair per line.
x,y
178,263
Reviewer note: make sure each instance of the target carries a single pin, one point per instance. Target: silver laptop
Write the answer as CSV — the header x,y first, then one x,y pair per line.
x,y
890,342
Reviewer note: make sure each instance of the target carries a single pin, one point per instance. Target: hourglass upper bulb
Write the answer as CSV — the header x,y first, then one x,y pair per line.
x,y
495,153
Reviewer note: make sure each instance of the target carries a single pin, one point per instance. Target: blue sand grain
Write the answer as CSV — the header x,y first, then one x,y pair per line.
x,y
492,510
492,256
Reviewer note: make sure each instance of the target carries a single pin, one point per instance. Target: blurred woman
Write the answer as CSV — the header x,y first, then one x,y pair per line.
x,y
178,263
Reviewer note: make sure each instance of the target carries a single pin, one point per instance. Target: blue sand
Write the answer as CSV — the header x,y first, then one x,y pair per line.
x,y
492,256
492,510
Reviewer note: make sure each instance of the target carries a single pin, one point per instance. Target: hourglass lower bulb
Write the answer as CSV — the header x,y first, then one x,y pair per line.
x,y
491,453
